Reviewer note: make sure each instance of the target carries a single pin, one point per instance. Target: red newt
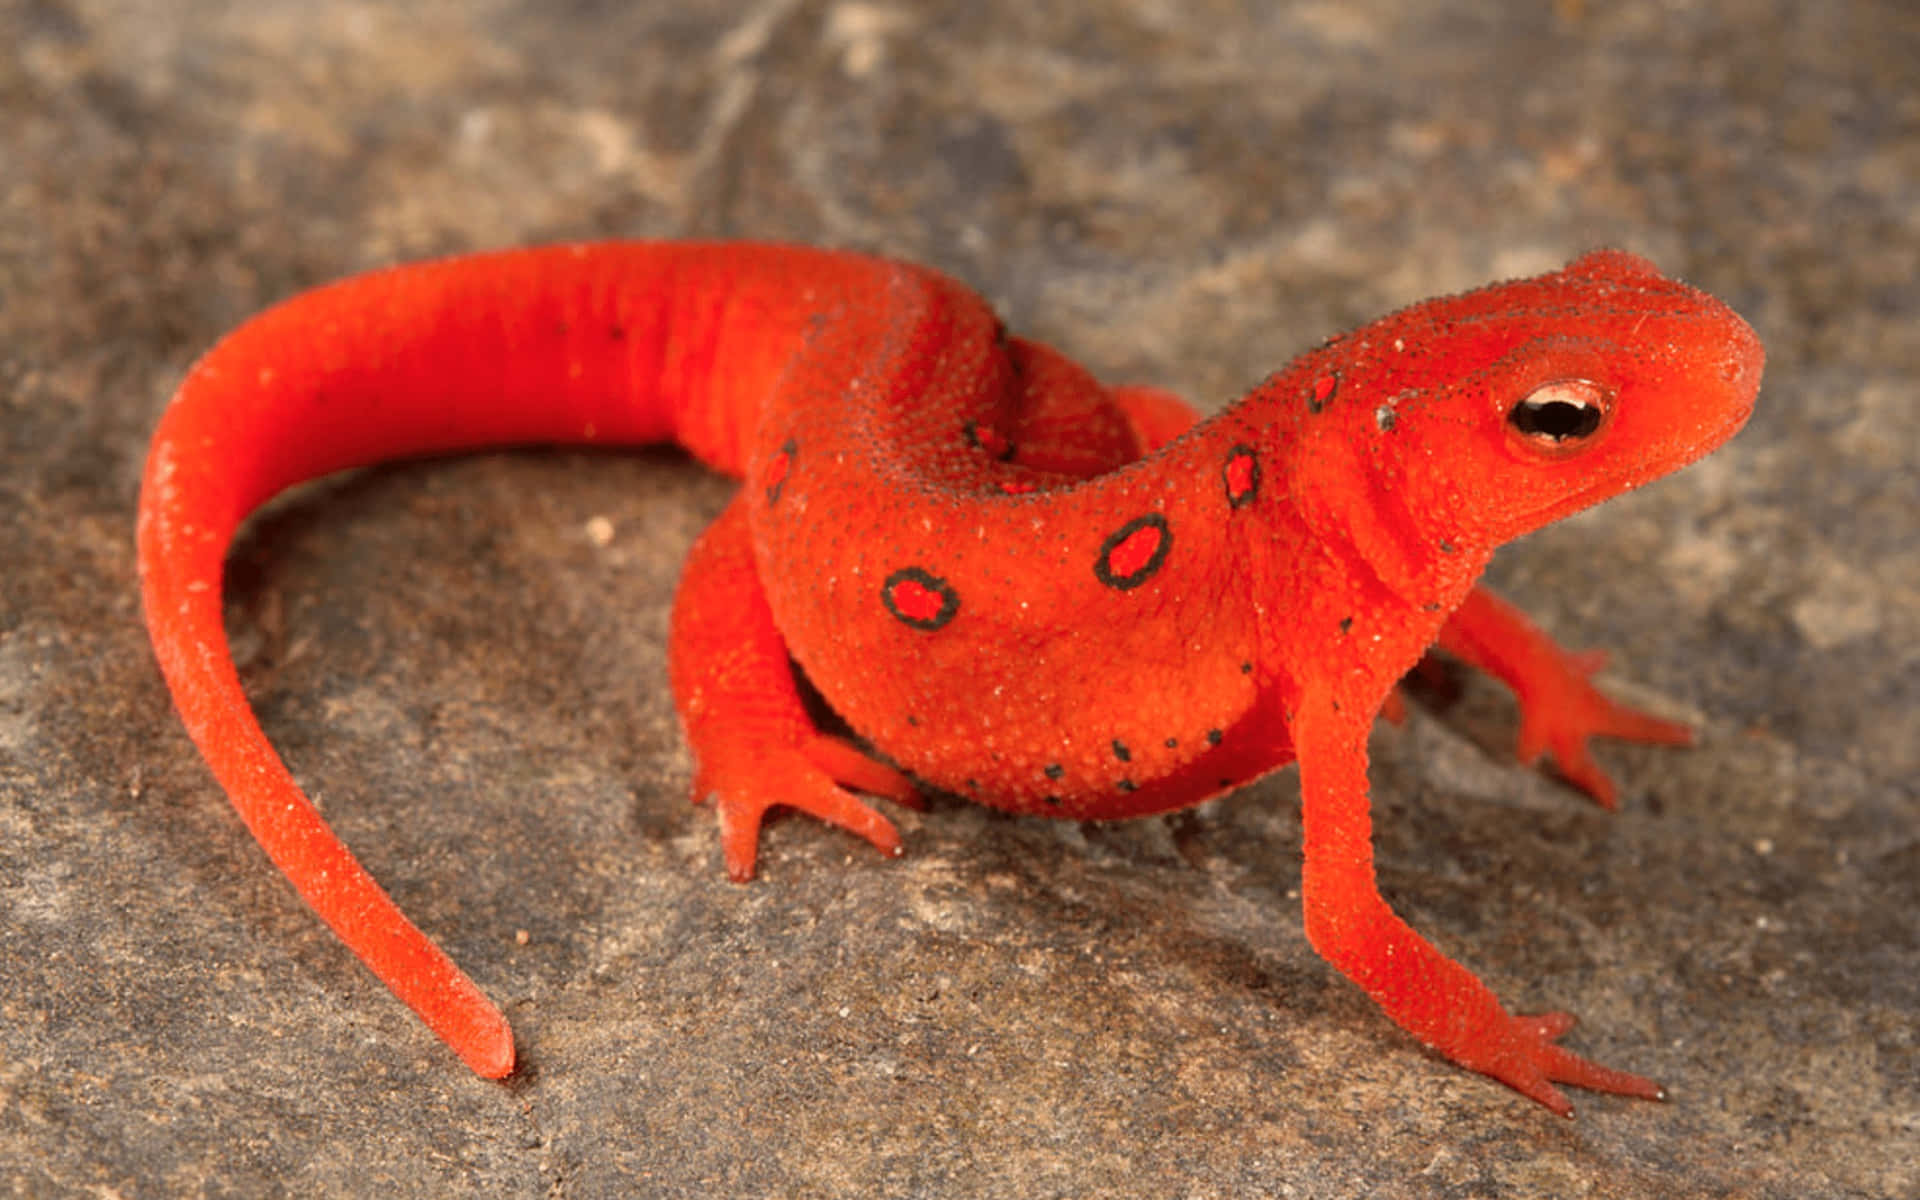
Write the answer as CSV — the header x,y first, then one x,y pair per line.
x,y
1016,584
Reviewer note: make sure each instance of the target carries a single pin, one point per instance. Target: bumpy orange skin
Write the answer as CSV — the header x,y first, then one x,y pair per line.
x,y
1016,583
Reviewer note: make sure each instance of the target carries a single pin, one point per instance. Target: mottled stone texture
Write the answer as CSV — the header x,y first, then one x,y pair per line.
x,y
471,681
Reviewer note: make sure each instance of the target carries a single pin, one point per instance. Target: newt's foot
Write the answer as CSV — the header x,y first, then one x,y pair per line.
x,y
808,777
1524,1056
1558,715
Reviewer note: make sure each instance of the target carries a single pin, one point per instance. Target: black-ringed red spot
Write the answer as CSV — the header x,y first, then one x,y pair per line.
x,y
920,598
1242,475
988,439
782,463
1132,553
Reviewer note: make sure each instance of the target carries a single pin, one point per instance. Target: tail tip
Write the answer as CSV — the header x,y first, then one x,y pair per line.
x,y
490,1054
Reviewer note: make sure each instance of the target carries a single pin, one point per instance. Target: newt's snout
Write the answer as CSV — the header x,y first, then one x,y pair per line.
x,y
1740,361
1746,359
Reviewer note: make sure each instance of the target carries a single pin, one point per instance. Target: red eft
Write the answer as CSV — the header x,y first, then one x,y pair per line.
x,y
1014,583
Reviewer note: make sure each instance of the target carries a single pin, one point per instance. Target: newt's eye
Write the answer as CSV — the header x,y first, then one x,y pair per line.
x,y
1560,414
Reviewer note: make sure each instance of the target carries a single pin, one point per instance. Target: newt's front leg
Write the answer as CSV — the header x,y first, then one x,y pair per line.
x,y
1425,992
1559,707
755,745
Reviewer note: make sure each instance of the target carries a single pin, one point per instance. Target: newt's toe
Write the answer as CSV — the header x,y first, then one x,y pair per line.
x,y
808,778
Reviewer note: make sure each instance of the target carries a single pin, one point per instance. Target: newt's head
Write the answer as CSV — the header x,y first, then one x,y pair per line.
x,y
1463,422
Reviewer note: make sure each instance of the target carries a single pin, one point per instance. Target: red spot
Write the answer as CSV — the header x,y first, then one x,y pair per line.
x,y
1132,553
917,601
1323,389
1016,487
1242,475
919,598
989,439
777,470
1135,551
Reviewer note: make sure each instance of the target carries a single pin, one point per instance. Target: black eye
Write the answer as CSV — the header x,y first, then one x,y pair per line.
x,y
1557,413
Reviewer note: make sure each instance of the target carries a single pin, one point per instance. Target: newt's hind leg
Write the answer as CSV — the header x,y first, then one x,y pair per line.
x,y
1559,706
754,744
1156,416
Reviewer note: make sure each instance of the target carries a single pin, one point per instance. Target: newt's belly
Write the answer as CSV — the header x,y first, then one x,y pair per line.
x,y
1003,669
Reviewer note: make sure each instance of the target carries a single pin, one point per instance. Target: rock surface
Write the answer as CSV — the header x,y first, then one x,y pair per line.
x,y
463,660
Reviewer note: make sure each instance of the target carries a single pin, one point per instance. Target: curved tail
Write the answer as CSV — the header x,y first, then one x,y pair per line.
x,y
608,344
